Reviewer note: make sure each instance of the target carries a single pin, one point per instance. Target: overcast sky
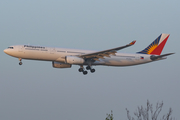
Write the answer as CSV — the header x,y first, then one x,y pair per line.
x,y
37,91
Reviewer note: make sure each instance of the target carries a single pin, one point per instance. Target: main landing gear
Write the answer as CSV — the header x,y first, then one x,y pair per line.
x,y
89,68
81,69
20,59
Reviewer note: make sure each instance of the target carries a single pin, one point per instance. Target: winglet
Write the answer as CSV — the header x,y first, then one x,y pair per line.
x,y
133,42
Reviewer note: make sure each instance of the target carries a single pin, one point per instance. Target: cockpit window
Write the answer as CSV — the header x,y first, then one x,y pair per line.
x,y
10,47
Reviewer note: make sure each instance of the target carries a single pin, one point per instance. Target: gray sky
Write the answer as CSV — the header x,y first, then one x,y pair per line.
x,y
37,91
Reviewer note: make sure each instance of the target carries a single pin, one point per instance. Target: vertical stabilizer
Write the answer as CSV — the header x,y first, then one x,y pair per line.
x,y
156,47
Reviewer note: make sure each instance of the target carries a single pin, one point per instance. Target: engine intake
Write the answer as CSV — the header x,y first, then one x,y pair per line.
x,y
74,60
60,65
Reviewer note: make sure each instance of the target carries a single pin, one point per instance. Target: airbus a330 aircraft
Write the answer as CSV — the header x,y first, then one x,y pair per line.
x,y
65,58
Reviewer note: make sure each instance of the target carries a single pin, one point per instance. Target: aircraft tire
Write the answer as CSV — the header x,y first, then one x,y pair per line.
x,y
20,63
88,67
80,69
93,70
85,72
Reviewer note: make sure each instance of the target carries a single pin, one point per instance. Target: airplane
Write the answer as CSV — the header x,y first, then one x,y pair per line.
x,y
65,58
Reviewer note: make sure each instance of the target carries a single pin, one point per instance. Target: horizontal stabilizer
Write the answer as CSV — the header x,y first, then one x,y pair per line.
x,y
153,57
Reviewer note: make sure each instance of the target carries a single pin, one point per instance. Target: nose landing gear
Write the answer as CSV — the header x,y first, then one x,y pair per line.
x,y
20,59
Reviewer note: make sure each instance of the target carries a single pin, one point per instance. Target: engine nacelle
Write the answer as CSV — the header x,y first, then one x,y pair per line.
x,y
60,65
74,60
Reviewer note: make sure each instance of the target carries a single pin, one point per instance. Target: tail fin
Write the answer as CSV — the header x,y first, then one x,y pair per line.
x,y
156,47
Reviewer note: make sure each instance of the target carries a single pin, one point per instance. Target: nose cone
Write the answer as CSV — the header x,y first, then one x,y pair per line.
x,y
9,52
6,51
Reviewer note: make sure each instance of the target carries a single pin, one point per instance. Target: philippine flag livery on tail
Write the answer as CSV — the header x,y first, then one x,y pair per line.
x,y
156,47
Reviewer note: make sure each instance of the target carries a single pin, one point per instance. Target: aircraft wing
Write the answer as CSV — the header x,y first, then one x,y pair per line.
x,y
105,53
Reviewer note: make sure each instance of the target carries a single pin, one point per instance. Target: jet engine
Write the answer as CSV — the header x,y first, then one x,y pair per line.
x,y
60,65
74,60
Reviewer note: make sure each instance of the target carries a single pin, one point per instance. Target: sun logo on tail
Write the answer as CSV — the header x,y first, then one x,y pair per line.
x,y
153,46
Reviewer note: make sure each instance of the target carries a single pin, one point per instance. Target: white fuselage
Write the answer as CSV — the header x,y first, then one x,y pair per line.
x,y
59,54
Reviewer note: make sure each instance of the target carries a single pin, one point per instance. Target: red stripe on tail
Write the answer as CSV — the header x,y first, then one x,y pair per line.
x,y
159,48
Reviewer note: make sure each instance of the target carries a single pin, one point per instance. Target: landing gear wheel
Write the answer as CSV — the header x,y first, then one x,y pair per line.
x,y
88,68
80,69
85,72
20,63
92,70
